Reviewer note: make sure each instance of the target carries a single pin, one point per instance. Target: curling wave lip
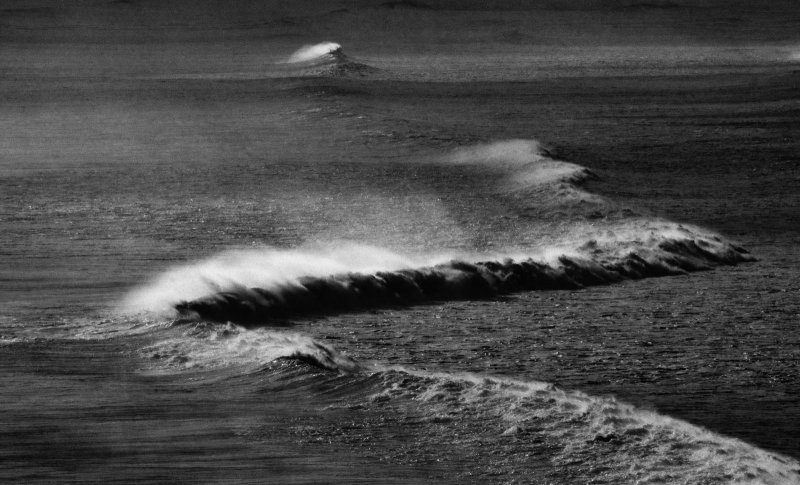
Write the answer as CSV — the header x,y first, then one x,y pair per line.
x,y
316,52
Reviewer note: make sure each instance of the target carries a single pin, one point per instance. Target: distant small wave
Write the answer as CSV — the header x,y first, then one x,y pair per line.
x,y
316,52
526,167
503,424
326,59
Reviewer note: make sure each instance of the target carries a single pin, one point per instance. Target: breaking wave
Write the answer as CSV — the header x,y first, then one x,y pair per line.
x,y
269,286
325,51
327,59
505,426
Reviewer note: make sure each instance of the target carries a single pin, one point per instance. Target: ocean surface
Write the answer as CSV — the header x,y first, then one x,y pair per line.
x,y
278,261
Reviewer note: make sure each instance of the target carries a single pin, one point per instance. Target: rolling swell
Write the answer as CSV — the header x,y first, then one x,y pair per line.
x,y
591,264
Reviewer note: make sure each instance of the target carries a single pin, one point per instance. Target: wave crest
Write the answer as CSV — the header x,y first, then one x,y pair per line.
x,y
254,288
317,52
327,59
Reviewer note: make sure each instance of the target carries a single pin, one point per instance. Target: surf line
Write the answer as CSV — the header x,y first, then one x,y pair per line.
x,y
454,280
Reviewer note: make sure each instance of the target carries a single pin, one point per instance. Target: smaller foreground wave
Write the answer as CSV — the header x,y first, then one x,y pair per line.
x,y
508,427
596,262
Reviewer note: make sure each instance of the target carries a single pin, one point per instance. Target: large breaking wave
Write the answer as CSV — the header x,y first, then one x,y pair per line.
x,y
593,263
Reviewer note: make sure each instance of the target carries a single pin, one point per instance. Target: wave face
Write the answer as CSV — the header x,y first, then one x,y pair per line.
x,y
327,59
593,263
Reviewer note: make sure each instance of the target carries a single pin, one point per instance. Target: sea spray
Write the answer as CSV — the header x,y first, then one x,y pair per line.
x,y
265,267
266,294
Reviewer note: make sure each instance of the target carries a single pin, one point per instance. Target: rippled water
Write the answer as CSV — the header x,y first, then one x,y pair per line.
x,y
374,269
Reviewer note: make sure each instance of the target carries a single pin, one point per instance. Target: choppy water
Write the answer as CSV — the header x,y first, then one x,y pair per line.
x,y
354,269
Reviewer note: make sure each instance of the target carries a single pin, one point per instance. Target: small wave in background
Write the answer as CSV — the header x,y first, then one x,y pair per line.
x,y
327,59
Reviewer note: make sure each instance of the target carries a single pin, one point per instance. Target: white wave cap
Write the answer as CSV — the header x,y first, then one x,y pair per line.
x,y
264,268
309,53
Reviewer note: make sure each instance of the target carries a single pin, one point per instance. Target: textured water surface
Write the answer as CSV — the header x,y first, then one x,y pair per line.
x,y
237,258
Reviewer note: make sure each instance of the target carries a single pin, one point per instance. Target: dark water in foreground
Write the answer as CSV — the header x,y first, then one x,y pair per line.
x,y
632,319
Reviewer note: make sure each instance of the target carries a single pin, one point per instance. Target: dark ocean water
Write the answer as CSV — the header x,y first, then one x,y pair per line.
x,y
566,266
